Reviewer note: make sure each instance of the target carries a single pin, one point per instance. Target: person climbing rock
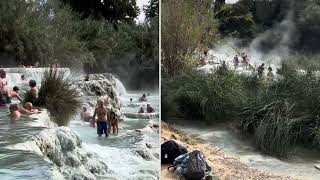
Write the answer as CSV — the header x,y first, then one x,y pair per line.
x,y
260,70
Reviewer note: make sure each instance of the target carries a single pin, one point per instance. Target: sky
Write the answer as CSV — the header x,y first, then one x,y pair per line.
x,y
231,1
140,4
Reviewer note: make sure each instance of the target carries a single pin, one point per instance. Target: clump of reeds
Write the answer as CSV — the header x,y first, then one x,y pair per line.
x,y
58,94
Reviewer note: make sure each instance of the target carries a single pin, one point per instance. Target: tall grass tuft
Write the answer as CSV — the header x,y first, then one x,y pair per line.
x,y
59,96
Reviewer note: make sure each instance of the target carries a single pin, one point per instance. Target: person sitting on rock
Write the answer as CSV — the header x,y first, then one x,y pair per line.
x,y
141,110
14,112
28,109
143,98
86,116
102,122
114,122
150,109
33,91
14,93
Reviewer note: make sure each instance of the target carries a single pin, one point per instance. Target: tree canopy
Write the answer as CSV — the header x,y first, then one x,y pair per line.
x,y
112,10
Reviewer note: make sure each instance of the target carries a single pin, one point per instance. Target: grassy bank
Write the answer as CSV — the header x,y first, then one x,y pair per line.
x,y
278,115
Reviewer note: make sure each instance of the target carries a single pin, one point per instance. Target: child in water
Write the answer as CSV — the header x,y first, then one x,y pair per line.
x,y
114,122
14,112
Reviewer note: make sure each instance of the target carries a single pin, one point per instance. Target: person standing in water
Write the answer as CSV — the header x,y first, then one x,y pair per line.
x,y
3,88
86,116
114,122
143,98
102,121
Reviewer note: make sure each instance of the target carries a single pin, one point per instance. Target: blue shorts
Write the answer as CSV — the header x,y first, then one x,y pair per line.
x,y
102,127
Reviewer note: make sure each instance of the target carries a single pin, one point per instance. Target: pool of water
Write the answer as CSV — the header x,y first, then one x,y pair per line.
x,y
119,150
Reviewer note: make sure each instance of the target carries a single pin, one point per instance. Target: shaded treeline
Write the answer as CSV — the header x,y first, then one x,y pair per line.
x,y
72,34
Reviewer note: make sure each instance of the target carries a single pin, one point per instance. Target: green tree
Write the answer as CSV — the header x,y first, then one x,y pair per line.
x,y
112,10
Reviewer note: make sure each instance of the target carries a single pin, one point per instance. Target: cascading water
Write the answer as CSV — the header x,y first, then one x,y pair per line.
x,y
120,87
133,153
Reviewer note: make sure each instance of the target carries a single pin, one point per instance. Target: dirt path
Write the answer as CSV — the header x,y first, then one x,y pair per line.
x,y
223,166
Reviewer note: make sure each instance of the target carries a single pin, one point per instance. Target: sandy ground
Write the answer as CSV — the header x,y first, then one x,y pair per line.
x,y
223,166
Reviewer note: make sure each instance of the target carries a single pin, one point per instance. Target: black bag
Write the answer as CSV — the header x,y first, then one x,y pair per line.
x,y
197,167
170,150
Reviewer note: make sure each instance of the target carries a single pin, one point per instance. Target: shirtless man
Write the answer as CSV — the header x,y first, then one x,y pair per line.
x,y
14,93
28,109
86,116
14,112
102,121
33,91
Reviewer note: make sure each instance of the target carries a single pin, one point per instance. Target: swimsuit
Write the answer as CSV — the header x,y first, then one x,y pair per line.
x,y
114,122
102,127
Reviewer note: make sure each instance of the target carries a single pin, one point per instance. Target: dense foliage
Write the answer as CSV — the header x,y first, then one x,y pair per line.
x,y
62,32
113,11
